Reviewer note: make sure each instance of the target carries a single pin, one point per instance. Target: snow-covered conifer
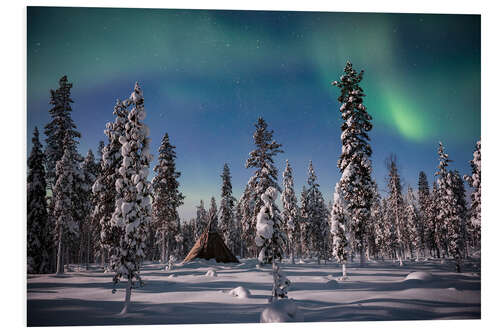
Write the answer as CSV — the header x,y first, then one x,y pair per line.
x,y
227,223
425,209
304,248
474,181
104,187
201,221
271,240
89,171
167,197
132,213
63,194
451,207
413,228
59,128
395,205
378,227
290,211
354,162
339,227
265,176
37,231
212,213
316,220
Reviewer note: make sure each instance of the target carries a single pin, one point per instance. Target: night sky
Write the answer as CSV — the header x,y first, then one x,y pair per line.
x,y
208,75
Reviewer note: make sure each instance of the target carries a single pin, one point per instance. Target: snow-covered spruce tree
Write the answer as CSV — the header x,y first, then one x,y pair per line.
x,y
461,212
265,175
63,195
451,207
37,231
59,127
227,223
271,240
201,221
238,227
246,207
474,181
354,162
316,221
413,229
290,212
389,242
378,228
375,224
437,225
104,187
167,197
339,225
424,207
132,212
212,213
395,205
305,248
89,173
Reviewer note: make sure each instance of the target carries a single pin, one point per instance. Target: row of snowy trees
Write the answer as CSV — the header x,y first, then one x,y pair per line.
x,y
79,208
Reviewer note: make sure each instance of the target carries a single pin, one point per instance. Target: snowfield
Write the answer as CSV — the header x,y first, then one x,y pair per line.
x,y
187,294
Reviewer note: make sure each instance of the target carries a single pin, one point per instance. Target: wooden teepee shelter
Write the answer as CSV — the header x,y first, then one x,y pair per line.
x,y
210,245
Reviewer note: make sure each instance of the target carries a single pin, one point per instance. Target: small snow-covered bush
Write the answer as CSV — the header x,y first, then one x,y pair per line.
x,y
281,311
211,272
240,292
422,276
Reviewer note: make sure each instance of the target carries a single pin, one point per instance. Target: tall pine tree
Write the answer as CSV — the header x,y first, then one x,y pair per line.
x,y
339,225
354,162
167,197
38,233
316,220
474,181
65,225
104,187
265,176
132,213
395,206
290,211
227,223
60,127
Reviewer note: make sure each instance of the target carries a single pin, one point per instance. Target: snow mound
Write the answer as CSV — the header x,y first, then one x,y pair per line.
x,y
421,276
240,292
211,272
281,311
332,284
172,276
301,261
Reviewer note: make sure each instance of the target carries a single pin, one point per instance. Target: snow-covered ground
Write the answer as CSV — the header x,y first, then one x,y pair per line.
x,y
188,295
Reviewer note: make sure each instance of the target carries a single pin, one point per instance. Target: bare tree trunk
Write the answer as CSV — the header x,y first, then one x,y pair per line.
x,y
88,255
362,258
168,250
60,248
128,294
163,247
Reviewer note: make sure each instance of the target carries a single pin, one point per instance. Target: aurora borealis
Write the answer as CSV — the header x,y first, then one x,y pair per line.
x,y
208,75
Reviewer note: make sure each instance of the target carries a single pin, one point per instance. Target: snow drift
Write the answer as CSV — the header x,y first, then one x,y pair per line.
x,y
281,311
240,292
421,276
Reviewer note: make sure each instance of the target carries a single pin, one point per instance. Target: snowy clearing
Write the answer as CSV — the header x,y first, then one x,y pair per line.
x,y
185,295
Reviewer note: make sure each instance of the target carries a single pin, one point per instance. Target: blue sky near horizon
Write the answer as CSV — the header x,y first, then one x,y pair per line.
x,y
208,75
